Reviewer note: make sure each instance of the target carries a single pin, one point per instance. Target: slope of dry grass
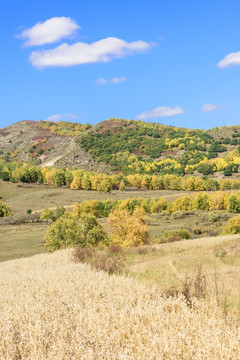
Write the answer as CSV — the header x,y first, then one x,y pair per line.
x,y
52,308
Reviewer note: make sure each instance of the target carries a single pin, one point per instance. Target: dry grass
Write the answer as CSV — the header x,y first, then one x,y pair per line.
x,y
21,240
52,308
38,197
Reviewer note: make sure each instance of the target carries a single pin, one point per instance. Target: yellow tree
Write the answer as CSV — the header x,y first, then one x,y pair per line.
x,y
128,230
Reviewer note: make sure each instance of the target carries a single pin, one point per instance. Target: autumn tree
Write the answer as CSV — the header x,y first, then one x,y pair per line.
x,y
47,214
128,230
232,226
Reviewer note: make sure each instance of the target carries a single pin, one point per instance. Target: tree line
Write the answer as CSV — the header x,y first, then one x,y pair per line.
x,y
78,179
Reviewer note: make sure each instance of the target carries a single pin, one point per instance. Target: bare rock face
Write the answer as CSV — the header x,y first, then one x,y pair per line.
x,y
75,156
26,141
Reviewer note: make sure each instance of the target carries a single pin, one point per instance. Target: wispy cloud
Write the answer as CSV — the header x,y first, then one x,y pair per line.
x,y
82,53
62,117
161,111
101,81
117,80
114,80
229,60
49,31
209,107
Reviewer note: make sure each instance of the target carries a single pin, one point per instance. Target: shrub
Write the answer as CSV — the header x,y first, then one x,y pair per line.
x,y
29,211
40,151
232,226
159,205
5,210
114,249
99,260
175,235
48,214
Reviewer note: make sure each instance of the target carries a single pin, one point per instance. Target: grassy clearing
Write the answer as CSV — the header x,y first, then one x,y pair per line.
x,y
38,197
53,308
21,240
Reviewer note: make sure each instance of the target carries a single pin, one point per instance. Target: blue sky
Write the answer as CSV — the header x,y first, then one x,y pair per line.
x,y
173,62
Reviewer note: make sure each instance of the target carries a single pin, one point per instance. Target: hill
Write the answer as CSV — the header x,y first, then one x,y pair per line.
x,y
27,141
127,146
52,308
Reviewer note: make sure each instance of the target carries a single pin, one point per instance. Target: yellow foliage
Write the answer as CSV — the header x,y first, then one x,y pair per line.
x,y
232,226
182,203
76,183
128,230
218,201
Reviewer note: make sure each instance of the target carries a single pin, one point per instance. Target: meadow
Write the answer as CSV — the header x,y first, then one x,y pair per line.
x,y
26,239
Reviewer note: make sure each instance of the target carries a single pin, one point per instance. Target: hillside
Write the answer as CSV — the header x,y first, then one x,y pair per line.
x,y
52,308
127,146
26,141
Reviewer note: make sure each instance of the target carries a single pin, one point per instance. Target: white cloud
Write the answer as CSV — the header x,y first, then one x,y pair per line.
x,y
161,111
82,53
101,81
49,31
117,80
230,60
114,80
209,107
62,117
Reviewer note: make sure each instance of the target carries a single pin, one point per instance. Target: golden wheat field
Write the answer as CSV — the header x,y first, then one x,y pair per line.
x,y
52,308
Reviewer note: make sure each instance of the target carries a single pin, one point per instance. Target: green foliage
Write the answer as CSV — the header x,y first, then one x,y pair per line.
x,y
60,211
65,232
175,235
70,231
202,202
59,178
92,231
234,204
205,169
228,170
29,211
40,151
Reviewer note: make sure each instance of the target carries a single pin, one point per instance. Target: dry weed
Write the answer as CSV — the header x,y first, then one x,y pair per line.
x,y
54,309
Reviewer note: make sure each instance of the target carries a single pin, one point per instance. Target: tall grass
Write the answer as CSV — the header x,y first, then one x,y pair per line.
x,y
52,308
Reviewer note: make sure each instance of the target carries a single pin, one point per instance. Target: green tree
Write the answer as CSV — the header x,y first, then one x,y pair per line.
x,y
65,232
58,178
234,204
69,231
